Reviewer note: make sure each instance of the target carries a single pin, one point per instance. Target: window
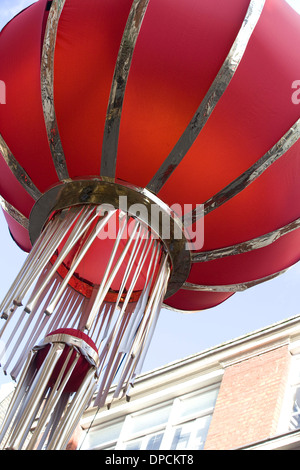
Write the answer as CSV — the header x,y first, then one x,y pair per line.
x,y
190,420
150,442
178,424
191,435
145,430
295,418
294,422
105,435
150,419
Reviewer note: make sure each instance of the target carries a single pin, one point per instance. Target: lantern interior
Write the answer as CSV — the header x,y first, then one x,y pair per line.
x,y
119,312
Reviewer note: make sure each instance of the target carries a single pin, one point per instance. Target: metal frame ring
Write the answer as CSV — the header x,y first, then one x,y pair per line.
x,y
106,190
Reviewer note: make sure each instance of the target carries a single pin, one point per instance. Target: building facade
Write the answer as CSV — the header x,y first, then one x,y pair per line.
x,y
243,394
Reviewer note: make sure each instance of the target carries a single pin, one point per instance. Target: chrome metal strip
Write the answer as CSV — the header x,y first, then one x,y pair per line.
x,y
70,340
73,413
97,192
34,395
77,231
18,171
95,231
211,99
53,399
47,90
250,175
230,287
173,309
27,374
122,67
244,247
14,213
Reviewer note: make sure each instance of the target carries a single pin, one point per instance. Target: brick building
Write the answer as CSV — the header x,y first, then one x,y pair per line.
x,y
239,395
242,394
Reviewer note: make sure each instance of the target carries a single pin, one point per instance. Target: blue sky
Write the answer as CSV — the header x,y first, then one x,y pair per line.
x,y
179,335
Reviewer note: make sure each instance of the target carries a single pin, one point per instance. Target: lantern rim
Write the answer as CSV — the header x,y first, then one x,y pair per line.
x,y
107,191
69,338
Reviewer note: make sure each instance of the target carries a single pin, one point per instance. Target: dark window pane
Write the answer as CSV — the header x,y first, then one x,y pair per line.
x,y
154,442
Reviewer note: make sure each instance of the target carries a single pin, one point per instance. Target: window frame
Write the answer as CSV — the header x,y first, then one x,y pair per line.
x,y
168,427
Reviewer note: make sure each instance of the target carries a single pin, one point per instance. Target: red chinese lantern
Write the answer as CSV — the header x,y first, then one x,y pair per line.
x,y
63,366
149,154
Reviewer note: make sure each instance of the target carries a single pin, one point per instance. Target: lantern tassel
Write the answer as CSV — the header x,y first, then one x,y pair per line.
x,y
120,329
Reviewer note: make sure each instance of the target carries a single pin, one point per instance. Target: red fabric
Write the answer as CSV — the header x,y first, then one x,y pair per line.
x,y
179,51
18,233
83,76
197,300
94,264
21,119
81,367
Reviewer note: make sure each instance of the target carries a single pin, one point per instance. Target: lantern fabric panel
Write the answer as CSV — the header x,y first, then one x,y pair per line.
x,y
169,77
162,94
56,385
82,364
83,78
181,106
22,40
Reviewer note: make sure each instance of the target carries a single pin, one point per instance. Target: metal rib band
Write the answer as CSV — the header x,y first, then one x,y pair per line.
x,y
18,171
47,90
70,340
14,213
154,213
250,175
230,287
244,247
115,104
211,99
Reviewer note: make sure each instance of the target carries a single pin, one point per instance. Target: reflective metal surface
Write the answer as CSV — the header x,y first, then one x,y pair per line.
x,y
101,223
250,175
47,89
76,233
42,414
18,171
14,213
85,349
109,192
121,331
115,104
211,99
127,340
244,247
230,287
111,270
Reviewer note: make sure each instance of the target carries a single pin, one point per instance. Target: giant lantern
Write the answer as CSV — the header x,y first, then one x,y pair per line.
x,y
149,156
